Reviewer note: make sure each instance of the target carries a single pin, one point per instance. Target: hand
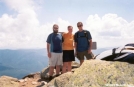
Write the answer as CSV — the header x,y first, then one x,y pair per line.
x,y
75,54
89,51
49,55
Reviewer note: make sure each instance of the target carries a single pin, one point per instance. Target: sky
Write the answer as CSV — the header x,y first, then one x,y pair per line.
x,y
25,24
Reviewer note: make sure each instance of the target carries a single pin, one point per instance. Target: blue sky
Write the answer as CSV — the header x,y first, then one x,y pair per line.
x,y
80,9
30,21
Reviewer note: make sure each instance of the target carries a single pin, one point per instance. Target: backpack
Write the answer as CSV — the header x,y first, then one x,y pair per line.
x,y
85,35
123,54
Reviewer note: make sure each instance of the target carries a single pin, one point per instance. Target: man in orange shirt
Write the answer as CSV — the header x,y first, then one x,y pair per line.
x,y
68,50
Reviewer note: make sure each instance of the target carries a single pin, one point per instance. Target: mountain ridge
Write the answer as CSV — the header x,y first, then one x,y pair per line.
x,y
20,62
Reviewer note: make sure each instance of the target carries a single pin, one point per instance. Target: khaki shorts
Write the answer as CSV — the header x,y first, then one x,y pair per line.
x,y
81,55
56,59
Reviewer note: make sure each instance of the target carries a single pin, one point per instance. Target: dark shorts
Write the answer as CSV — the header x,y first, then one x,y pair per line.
x,y
68,55
81,55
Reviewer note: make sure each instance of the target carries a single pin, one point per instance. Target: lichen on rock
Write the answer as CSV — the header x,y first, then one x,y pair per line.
x,y
97,73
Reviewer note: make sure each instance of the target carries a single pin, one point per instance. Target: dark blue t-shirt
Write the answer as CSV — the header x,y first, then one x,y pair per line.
x,y
55,41
82,41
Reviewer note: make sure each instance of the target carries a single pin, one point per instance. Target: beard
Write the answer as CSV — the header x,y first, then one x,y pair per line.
x,y
55,31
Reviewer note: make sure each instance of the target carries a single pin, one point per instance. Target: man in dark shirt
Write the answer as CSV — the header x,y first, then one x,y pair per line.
x,y
83,43
54,50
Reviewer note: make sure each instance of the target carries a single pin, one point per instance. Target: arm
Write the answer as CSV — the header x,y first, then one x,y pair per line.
x,y
90,46
75,43
90,42
75,47
62,39
61,32
48,50
48,46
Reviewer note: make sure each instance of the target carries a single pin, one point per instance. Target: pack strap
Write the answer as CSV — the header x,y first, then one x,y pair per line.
x,y
85,35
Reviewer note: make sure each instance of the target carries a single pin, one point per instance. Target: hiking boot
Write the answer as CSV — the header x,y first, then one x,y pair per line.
x,y
50,78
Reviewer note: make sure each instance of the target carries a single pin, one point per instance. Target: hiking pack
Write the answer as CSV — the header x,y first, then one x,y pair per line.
x,y
85,35
123,54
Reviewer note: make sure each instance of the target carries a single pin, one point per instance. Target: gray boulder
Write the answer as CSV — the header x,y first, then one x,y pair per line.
x,y
97,73
59,81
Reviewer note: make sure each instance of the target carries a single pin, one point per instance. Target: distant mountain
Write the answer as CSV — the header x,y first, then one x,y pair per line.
x,y
2,67
18,63
99,50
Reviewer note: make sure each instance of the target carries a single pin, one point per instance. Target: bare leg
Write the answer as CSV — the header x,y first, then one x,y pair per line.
x,y
69,67
51,70
64,68
81,61
57,69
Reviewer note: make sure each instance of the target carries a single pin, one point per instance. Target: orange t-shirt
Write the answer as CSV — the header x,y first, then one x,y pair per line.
x,y
68,41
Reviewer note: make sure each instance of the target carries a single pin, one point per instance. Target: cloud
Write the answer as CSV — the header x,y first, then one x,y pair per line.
x,y
23,29
110,30
19,30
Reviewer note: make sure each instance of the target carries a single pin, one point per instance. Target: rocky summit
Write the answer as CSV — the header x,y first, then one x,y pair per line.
x,y
92,73
97,73
6,81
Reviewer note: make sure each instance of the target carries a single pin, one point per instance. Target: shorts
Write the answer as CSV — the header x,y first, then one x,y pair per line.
x,y
56,59
68,55
81,55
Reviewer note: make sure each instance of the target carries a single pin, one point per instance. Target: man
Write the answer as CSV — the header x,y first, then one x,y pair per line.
x,y
83,43
54,50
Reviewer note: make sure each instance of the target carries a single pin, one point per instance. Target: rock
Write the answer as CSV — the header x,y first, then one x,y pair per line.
x,y
29,76
75,65
92,73
21,80
37,75
59,81
43,83
26,79
44,73
34,83
97,73
6,81
32,75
